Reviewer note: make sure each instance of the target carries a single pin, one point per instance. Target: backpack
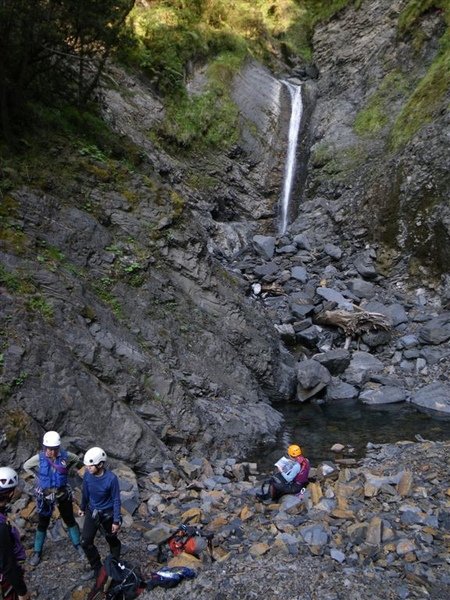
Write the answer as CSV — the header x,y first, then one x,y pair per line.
x,y
117,580
186,538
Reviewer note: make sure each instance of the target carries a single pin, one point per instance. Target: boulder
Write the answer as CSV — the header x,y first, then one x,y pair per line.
x,y
435,396
361,367
383,395
311,378
336,361
334,296
264,245
436,331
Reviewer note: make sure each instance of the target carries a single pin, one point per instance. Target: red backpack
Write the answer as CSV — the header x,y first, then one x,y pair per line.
x,y
189,539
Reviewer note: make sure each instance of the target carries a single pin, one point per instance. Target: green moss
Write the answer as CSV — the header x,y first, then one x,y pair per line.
x,y
412,12
16,421
201,182
14,240
103,290
337,163
321,155
209,119
16,282
375,115
178,204
8,207
429,96
426,102
38,304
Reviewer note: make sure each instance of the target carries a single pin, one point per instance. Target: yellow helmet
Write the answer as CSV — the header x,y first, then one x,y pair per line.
x,y
294,450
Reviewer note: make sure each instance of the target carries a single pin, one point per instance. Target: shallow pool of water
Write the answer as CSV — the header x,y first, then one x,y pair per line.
x,y
316,427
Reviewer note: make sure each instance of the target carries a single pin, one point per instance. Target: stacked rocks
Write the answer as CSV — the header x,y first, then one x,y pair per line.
x,y
381,528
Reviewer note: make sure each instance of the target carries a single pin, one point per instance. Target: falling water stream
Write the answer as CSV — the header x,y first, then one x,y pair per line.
x,y
295,92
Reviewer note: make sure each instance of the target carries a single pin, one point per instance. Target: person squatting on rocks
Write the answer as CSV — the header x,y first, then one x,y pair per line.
x,y
12,553
292,477
100,506
53,464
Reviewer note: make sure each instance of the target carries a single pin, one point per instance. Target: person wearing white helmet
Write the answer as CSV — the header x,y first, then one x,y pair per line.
x,y
100,506
12,553
51,466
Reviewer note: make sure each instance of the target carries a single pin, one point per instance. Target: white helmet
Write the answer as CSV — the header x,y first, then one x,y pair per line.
x,y
8,479
94,456
51,439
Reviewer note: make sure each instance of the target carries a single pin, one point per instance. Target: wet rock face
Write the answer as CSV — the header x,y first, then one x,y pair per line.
x,y
134,351
399,195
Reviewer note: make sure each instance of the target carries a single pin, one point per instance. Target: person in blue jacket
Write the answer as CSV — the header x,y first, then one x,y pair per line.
x,y
100,506
51,467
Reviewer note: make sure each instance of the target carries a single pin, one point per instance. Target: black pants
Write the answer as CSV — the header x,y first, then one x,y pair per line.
x,y
280,487
91,525
65,510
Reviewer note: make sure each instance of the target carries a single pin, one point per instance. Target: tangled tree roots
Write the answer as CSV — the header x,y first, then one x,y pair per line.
x,y
354,323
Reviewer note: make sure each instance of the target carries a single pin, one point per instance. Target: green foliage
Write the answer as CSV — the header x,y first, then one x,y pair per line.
x,y
337,163
92,151
171,36
167,37
54,49
49,255
83,127
201,121
207,119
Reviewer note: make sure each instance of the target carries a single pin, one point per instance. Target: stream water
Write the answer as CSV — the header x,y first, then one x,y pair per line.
x,y
316,427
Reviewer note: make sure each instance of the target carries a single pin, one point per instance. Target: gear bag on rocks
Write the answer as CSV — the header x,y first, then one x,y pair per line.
x,y
117,580
169,577
186,538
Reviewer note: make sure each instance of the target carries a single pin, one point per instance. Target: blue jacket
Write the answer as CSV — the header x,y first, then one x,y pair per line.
x,y
101,493
53,474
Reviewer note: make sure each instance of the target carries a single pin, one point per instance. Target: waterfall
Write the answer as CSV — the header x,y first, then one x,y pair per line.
x,y
289,171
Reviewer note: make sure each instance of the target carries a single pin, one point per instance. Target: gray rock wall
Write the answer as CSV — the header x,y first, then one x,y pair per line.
x,y
399,194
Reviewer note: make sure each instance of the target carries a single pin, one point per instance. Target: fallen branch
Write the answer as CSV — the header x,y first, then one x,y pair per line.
x,y
354,323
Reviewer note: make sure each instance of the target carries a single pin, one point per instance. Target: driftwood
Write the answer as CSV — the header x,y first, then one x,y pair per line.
x,y
354,323
272,288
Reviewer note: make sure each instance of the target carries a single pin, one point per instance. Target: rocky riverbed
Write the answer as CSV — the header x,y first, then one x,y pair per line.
x,y
378,529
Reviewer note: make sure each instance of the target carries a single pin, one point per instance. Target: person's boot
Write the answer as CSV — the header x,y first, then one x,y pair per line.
x,y
74,534
39,540
263,497
91,574
35,559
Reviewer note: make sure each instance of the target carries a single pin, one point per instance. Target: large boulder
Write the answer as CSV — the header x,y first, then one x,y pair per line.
x,y
435,396
312,377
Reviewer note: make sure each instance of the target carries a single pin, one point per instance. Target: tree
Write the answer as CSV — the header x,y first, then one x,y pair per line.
x,y
55,48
